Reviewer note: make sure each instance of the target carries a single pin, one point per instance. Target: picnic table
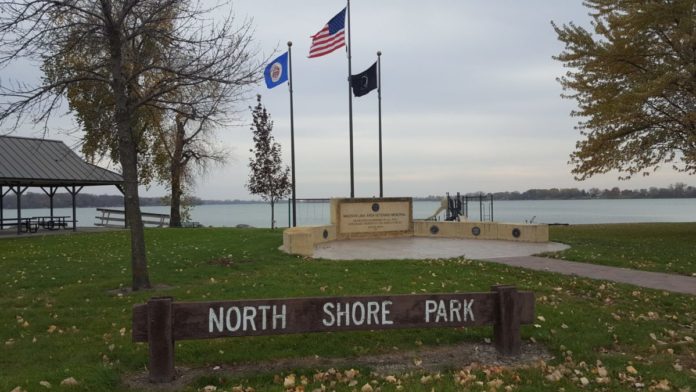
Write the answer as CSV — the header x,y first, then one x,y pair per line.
x,y
52,222
26,225
32,224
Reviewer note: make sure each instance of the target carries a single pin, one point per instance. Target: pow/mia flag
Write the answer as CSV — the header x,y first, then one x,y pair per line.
x,y
365,81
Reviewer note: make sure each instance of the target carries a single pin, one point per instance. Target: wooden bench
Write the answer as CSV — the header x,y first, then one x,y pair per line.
x,y
117,218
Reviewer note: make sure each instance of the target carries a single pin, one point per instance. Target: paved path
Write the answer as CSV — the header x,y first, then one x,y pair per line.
x,y
654,280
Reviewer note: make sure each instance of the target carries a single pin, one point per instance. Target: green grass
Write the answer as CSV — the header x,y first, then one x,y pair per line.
x,y
661,247
58,319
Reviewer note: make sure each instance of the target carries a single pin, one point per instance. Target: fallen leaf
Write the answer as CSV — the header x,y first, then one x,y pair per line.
x,y
351,374
289,381
70,381
555,376
495,384
45,384
663,385
602,372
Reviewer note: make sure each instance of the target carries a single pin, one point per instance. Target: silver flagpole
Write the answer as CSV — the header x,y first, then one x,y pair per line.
x,y
350,109
292,136
379,109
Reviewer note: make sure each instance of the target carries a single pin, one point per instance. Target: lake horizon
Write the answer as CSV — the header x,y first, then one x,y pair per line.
x,y
579,211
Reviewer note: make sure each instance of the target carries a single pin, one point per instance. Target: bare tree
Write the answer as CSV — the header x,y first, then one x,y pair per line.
x,y
189,146
116,39
268,177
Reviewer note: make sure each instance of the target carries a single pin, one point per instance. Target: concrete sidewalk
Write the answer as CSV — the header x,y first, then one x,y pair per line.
x,y
653,280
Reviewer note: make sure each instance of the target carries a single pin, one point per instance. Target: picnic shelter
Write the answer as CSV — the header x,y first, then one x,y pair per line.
x,y
49,165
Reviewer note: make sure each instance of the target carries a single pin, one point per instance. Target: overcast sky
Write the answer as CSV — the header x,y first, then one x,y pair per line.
x,y
469,100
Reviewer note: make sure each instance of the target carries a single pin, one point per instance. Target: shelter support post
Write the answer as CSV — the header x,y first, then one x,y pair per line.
x,y
51,193
18,190
73,193
2,205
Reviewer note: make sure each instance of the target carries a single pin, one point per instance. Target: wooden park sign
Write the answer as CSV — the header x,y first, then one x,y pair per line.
x,y
162,321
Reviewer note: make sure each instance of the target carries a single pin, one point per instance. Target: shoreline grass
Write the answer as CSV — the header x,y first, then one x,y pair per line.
x,y
658,247
59,319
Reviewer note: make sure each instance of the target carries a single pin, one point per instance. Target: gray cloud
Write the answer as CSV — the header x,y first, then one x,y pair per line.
x,y
470,100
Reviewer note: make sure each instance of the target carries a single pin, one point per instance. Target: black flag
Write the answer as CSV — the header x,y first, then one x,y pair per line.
x,y
365,81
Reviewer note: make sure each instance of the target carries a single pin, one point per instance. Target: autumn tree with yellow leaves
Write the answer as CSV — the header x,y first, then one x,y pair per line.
x,y
633,76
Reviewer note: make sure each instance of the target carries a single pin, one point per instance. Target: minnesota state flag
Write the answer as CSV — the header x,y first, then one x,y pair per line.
x,y
277,71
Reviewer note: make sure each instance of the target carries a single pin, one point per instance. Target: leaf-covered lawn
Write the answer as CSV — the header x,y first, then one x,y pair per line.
x,y
661,247
59,320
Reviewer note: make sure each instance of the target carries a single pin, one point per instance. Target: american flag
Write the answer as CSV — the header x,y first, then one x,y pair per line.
x,y
331,37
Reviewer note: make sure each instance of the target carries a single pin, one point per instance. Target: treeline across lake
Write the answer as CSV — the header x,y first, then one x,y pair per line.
x,y
87,200
63,200
675,191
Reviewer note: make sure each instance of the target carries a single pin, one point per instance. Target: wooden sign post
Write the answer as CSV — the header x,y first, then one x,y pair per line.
x,y
162,321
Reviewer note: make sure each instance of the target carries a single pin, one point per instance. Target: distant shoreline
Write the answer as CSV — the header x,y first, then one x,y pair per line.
x,y
86,200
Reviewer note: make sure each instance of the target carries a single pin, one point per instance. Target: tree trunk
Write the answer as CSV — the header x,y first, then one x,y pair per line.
x,y
127,151
128,157
176,168
272,213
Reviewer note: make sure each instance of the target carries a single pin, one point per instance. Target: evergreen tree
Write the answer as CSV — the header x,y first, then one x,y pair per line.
x,y
634,79
268,178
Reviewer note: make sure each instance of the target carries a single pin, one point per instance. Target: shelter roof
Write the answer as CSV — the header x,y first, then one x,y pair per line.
x,y
43,162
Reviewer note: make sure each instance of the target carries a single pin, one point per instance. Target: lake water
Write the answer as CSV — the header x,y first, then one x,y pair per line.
x,y
541,211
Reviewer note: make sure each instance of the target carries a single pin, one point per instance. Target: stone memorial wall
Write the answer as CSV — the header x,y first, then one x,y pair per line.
x,y
372,218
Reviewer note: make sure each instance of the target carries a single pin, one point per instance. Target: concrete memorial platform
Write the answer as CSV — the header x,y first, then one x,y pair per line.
x,y
418,248
376,219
